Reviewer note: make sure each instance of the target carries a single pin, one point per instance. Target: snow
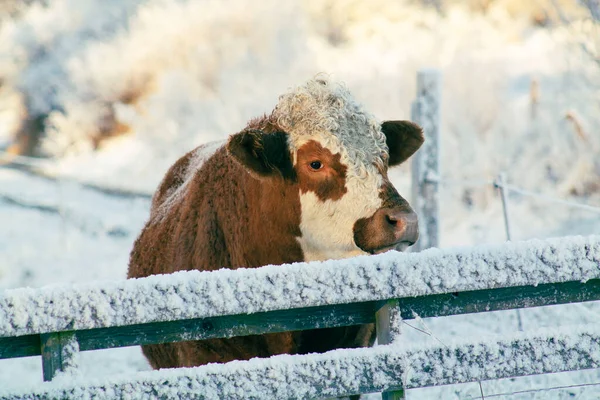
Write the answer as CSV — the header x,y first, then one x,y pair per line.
x,y
194,294
199,156
183,73
345,372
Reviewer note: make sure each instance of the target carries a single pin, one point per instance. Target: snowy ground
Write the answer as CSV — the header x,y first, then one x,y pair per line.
x,y
179,73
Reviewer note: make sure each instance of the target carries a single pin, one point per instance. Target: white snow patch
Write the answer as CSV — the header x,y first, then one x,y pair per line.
x,y
197,160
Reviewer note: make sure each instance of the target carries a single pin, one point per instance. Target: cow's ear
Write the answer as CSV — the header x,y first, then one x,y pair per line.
x,y
262,154
403,139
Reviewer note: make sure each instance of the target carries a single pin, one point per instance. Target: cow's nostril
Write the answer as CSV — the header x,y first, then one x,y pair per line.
x,y
403,225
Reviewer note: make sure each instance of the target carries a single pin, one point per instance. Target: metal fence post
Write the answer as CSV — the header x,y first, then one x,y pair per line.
x,y
388,320
500,184
426,111
59,353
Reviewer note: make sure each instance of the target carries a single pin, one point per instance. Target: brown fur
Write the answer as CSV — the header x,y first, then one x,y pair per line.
x,y
221,223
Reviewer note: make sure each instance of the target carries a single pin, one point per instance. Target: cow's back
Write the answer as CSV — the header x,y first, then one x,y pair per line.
x,y
156,248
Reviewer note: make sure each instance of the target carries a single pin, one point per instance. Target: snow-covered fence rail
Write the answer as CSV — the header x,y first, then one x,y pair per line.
x,y
57,322
346,372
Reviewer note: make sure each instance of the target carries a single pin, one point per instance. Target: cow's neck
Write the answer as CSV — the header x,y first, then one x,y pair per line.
x,y
258,220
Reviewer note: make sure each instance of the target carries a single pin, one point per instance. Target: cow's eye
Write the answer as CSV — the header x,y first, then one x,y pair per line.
x,y
316,165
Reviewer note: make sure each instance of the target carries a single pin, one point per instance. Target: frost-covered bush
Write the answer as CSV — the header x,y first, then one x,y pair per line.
x,y
172,74
76,63
39,47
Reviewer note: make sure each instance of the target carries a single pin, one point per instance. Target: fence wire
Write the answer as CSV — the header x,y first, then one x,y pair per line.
x,y
467,183
459,182
580,385
427,331
552,199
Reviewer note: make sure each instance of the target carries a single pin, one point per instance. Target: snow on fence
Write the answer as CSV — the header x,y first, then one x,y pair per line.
x,y
59,321
346,372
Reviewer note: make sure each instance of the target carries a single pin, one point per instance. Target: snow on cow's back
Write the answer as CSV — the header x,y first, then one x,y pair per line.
x,y
175,184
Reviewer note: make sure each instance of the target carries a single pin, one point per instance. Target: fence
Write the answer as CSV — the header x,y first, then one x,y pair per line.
x,y
59,322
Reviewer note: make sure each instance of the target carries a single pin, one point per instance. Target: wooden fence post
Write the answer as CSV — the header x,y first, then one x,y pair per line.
x,y
426,111
59,351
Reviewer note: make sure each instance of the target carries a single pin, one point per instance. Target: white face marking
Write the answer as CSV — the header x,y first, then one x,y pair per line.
x,y
326,112
328,227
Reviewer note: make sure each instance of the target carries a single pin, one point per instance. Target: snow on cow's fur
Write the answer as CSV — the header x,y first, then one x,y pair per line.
x,y
306,182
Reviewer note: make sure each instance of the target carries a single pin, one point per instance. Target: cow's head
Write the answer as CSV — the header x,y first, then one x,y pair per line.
x,y
319,139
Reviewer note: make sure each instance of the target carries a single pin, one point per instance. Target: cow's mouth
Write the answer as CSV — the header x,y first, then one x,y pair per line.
x,y
400,246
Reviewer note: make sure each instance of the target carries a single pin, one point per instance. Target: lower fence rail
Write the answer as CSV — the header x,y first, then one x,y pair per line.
x,y
346,372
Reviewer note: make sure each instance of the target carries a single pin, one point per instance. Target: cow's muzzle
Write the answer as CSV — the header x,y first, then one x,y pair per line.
x,y
388,229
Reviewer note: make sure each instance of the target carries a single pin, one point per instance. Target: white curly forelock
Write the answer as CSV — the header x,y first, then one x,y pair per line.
x,y
326,111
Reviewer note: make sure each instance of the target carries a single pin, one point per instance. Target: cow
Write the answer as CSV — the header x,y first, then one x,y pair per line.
x,y
306,182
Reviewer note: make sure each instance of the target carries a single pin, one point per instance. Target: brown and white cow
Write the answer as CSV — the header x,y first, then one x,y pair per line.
x,y
308,182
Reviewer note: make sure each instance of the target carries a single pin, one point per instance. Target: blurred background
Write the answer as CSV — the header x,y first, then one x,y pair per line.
x,y
99,98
